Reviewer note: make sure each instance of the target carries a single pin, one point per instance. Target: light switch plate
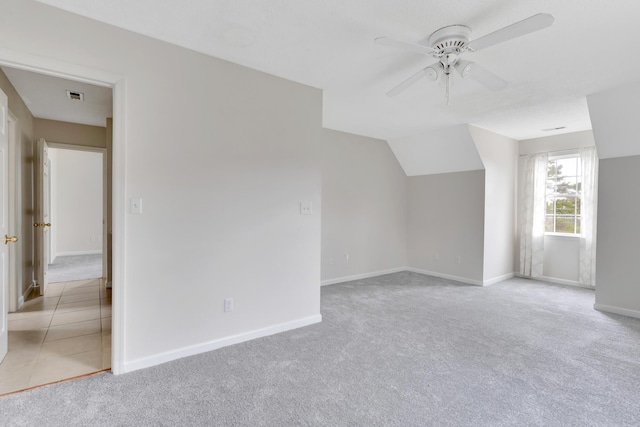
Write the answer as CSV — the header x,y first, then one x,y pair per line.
x,y
135,205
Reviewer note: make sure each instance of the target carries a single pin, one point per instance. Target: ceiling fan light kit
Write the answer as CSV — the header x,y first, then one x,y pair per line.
x,y
449,43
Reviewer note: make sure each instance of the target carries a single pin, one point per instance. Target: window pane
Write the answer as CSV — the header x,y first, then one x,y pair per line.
x,y
551,169
578,226
551,186
567,185
548,224
549,210
565,224
579,206
567,167
566,206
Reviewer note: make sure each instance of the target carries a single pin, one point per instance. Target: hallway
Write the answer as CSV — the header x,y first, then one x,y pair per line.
x,y
65,334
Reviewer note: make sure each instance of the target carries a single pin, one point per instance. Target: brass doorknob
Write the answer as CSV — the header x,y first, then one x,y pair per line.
x,y
11,239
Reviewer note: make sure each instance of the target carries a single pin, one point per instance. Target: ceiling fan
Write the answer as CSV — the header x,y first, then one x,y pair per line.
x,y
448,45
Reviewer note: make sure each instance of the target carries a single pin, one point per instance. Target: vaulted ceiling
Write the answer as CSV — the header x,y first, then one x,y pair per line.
x,y
329,44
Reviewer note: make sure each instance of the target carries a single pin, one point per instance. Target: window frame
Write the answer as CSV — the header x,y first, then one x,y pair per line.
x,y
554,156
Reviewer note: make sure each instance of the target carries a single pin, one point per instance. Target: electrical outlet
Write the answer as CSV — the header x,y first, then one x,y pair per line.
x,y
306,208
346,257
458,260
228,304
436,257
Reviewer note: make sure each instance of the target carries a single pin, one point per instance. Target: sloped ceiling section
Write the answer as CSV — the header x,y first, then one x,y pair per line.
x,y
329,44
614,117
445,150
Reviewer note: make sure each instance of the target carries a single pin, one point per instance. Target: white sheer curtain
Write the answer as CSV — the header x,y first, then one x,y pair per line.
x,y
589,164
532,205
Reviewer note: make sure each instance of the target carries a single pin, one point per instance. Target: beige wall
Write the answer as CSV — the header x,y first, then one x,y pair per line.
x,y
499,155
446,220
77,189
25,172
364,207
222,156
70,133
617,284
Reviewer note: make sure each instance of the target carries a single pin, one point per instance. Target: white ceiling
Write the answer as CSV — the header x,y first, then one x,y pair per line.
x,y
46,98
328,44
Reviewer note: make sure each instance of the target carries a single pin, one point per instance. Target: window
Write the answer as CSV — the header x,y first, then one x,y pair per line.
x,y
563,194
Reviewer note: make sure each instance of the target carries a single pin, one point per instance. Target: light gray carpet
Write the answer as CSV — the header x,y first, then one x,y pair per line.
x,y
397,350
75,267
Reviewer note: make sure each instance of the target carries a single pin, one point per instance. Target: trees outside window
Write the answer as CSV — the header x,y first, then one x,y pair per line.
x,y
563,195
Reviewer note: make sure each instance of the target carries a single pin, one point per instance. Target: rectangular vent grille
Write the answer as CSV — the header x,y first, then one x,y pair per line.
x,y
75,96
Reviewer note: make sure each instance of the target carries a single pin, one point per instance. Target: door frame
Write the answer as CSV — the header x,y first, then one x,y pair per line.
x,y
16,298
103,151
66,70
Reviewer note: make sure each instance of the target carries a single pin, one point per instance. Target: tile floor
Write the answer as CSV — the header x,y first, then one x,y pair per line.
x,y
65,334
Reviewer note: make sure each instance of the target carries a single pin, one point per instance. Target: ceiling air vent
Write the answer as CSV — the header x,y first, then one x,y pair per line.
x,y
75,96
552,129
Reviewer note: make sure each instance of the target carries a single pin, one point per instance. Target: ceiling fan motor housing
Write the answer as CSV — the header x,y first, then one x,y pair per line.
x,y
450,39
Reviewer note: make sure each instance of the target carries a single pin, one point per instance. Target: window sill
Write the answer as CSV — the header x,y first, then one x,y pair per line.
x,y
562,235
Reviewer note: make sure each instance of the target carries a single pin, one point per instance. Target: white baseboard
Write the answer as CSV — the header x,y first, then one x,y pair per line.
x,y
79,253
446,276
361,276
617,310
563,282
497,279
168,356
26,294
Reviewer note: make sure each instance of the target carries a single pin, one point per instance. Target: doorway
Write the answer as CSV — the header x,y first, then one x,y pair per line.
x,y
66,331
77,213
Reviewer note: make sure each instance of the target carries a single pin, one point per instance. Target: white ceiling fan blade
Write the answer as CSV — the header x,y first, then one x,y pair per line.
x,y
430,71
414,47
487,78
526,26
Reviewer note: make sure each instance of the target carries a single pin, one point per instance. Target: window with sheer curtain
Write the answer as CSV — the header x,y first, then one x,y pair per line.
x,y
559,196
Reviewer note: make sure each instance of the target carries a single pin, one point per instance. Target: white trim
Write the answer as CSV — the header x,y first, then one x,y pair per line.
x,y
14,168
56,68
69,253
446,276
67,70
168,356
23,296
563,282
67,146
118,224
497,279
361,276
617,310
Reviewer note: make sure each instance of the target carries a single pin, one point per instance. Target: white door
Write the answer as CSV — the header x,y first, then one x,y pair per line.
x,y
43,206
4,224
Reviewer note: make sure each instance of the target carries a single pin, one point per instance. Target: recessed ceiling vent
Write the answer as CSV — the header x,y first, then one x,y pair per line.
x,y
75,96
552,129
